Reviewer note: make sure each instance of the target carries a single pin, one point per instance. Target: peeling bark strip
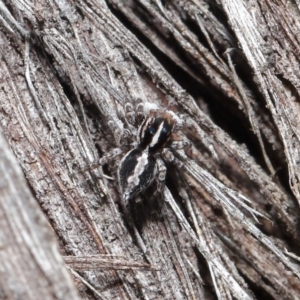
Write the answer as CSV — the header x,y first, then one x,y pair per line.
x,y
74,76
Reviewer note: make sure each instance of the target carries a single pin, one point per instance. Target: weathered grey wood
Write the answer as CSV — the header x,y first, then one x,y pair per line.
x,y
31,265
67,69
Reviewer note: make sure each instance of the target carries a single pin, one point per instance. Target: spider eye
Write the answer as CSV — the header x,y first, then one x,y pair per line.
x,y
165,130
152,130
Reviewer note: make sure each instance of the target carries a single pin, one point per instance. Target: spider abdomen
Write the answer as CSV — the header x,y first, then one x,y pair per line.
x,y
136,172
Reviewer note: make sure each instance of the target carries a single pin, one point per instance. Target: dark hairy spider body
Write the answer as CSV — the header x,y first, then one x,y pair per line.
x,y
136,172
140,166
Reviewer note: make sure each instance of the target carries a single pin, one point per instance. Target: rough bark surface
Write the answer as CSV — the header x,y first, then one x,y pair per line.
x,y
31,266
227,216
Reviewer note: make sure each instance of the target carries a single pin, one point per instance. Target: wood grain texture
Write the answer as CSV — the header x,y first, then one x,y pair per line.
x,y
228,212
31,265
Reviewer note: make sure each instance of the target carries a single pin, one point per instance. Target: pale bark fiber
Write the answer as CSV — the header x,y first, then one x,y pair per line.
x,y
220,228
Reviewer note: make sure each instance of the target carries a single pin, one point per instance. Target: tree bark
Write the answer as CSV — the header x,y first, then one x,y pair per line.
x,y
229,209
31,265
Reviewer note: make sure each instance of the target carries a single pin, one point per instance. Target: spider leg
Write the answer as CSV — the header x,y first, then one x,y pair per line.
x,y
129,113
103,160
161,175
139,110
169,156
110,156
178,145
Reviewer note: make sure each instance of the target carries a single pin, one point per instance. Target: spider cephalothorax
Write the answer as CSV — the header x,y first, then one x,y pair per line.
x,y
155,131
139,166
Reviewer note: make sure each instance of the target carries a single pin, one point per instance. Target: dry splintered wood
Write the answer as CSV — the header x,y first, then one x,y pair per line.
x,y
226,225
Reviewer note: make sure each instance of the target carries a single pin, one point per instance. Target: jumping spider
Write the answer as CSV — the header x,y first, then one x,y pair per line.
x,y
144,164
